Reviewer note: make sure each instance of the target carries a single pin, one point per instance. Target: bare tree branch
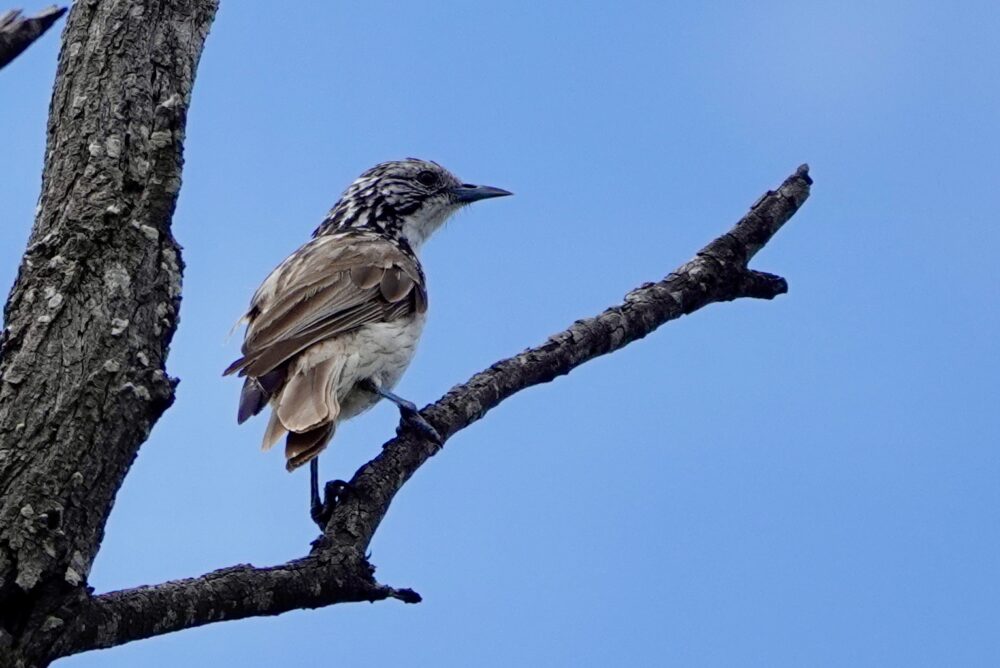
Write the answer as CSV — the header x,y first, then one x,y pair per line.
x,y
18,32
230,593
337,570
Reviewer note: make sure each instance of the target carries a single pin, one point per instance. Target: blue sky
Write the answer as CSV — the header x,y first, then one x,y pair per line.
x,y
808,481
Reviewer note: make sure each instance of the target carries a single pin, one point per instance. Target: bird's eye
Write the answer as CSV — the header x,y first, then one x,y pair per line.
x,y
426,178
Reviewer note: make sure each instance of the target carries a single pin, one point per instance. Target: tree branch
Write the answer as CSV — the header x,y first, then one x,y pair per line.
x,y
227,594
337,570
18,32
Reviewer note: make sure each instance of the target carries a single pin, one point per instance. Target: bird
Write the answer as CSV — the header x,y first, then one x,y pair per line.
x,y
333,327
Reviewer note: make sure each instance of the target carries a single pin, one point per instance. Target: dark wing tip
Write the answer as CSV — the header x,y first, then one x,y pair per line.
x,y
257,392
235,366
252,400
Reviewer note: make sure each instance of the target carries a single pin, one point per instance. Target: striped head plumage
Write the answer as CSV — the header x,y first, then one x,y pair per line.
x,y
407,199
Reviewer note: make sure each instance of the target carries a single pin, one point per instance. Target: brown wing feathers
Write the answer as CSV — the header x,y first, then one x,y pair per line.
x,y
329,287
395,285
366,276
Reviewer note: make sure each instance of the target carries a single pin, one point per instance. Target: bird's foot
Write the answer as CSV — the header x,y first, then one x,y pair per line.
x,y
333,493
410,418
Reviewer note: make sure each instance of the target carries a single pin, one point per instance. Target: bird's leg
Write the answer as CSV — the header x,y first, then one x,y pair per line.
x,y
322,509
408,412
316,507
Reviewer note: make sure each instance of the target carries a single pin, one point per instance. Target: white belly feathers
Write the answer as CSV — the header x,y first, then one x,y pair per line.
x,y
379,351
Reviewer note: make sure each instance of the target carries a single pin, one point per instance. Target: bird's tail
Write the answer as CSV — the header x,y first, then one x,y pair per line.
x,y
303,446
306,408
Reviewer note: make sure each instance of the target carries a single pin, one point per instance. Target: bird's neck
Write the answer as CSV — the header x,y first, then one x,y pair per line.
x,y
418,227
412,229
345,217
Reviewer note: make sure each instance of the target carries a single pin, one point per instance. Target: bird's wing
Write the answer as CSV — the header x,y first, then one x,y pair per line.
x,y
332,285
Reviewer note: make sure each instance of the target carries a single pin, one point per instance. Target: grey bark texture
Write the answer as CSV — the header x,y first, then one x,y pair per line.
x,y
94,306
17,32
89,322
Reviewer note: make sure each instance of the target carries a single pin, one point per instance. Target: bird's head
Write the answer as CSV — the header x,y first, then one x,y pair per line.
x,y
404,198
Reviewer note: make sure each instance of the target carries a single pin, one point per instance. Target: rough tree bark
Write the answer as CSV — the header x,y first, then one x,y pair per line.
x,y
18,32
82,375
90,317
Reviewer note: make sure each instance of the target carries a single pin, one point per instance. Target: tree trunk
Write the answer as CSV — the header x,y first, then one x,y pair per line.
x,y
95,303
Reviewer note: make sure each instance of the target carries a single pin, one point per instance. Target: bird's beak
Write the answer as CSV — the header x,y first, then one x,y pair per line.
x,y
468,193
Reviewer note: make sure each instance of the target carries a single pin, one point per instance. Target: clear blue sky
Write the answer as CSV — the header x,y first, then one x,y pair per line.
x,y
811,481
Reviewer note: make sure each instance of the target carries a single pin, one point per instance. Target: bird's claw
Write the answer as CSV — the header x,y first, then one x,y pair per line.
x,y
414,420
333,493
